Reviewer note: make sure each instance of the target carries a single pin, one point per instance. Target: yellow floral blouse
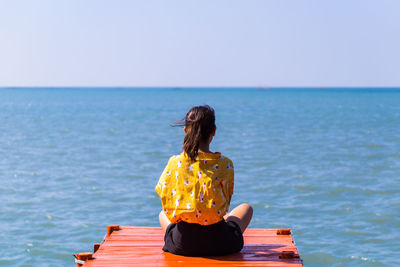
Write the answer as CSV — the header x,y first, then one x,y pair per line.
x,y
196,191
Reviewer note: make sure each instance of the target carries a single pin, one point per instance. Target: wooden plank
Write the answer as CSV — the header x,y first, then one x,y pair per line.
x,y
245,253
127,230
287,240
170,264
141,246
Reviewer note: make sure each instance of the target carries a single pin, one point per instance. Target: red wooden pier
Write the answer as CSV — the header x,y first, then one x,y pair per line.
x,y
141,246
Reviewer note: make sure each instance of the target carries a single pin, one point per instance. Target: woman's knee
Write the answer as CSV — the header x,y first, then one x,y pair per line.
x,y
247,207
161,217
164,221
243,212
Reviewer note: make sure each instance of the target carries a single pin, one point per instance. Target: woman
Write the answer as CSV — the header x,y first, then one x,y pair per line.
x,y
195,190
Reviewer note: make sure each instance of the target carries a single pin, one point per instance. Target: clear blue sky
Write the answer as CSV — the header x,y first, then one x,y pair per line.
x,y
199,43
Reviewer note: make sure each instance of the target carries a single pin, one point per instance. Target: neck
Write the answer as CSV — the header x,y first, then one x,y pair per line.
x,y
204,147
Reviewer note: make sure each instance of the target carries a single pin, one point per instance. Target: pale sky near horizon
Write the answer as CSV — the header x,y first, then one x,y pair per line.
x,y
200,43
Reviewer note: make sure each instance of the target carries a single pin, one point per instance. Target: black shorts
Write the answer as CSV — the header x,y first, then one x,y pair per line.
x,y
192,239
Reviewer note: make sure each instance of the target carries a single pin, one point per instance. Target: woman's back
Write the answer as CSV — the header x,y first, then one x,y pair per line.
x,y
196,191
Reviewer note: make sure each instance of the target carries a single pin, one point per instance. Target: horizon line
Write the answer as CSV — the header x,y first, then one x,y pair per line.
x,y
205,87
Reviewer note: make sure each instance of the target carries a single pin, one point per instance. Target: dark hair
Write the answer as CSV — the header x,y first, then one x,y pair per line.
x,y
200,124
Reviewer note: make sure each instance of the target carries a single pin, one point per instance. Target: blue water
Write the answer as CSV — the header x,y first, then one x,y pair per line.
x,y
325,163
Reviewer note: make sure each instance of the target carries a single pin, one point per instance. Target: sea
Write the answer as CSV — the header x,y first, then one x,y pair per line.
x,y
324,162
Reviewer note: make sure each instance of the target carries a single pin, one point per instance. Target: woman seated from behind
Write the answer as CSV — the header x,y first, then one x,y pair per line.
x,y
196,188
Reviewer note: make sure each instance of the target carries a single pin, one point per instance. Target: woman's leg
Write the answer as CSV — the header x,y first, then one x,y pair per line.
x,y
164,221
241,215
